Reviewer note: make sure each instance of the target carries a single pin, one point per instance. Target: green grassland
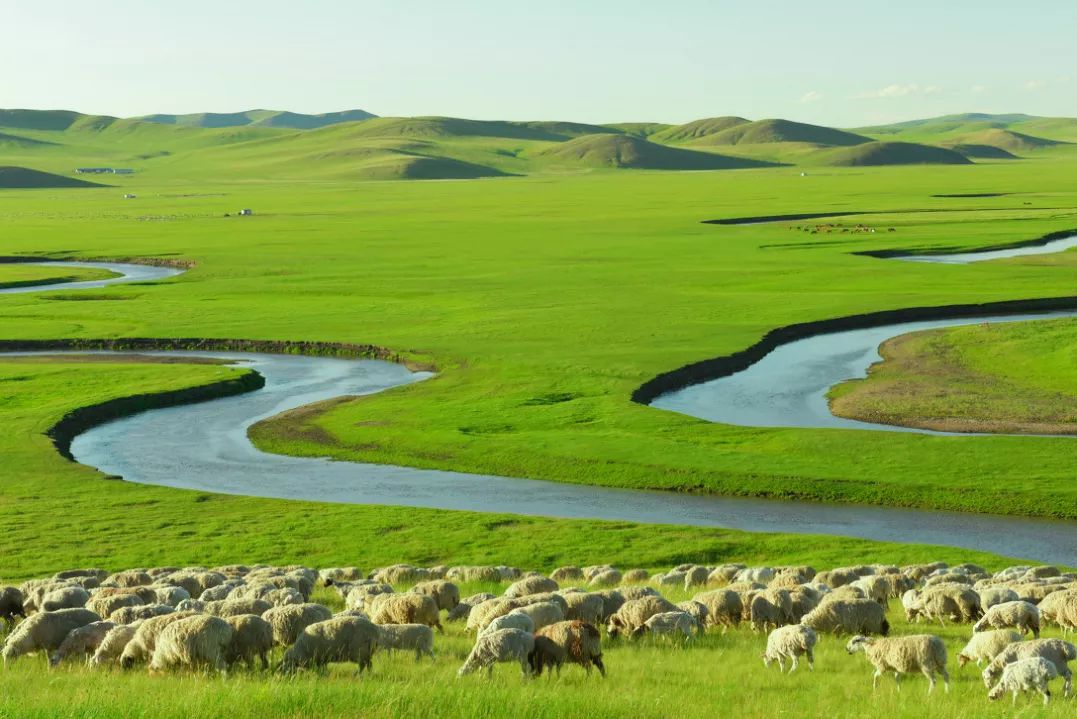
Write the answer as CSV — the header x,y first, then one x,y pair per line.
x,y
544,297
545,300
1016,379
17,275
715,674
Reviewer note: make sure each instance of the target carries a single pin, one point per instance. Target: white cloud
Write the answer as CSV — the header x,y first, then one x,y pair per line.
x,y
1036,84
812,96
1042,84
897,90
978,89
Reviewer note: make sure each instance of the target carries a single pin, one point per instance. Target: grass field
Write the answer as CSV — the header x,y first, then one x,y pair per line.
x,y
17,275
716,674
993,378
544,298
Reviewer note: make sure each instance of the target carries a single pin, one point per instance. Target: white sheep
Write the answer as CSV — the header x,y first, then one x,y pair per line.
x,y
64,598
418,638
1019,615
848,616
990,596
195,642
252,637
111,648
83,641
924,653
504,645
678,624
1056,651
985,646
45,631
289,620
512,620
340,639
542,614
1025,675
791,642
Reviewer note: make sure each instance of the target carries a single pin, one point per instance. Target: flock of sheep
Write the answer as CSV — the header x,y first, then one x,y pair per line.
x,y
170,617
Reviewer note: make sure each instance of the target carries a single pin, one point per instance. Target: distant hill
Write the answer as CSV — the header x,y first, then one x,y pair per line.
x,y
770,131
263,118
640,129
18,141
945,122
698,128
893,153
38,119
986,152
445,127
626,151
401,166
1008,140
24,178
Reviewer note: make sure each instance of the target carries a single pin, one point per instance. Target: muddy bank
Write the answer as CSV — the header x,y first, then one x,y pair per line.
x,y
79,420
1037,242
204,344
726,365
178,264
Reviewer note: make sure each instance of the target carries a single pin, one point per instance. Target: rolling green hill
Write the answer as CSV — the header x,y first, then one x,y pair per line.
x,y
697,129
773,131
625,151
264,118
1008,140
892,153
25,178
986,152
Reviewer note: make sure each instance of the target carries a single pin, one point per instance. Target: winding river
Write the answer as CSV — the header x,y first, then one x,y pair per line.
x,y
204,446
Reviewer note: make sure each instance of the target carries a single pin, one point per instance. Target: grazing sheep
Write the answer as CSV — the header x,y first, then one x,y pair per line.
x,y
98,574
541,613
583,606
924,653
400,574
289,620
791,642
446,594
128,615
45,631
1025,675
955,602
1060,608
142,644
697,611
113,643
105,604
169,595
1056,651
332,575
362,595
985,646
531,585
724,607
802,599
235,607
635,592
852,616
83,641
284,595
875,587
580,642
608,578
462,611
65,598
761,575
489,575
418,638
252,637
837,577
487,611
635,612
200,641
636,576
512,620
990,596
341,639
566,574
547,654
1020,615
668,624
407,609
132,578
669,579
696,577
11,599
504,645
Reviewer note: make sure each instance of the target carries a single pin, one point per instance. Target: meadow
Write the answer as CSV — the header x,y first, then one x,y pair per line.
x,y
712,674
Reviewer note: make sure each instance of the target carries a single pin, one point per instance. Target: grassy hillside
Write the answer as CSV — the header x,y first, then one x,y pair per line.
x,y
875,154
985,152
626,151
265,118
771,131
26,178
1017,379
697,129
1008,140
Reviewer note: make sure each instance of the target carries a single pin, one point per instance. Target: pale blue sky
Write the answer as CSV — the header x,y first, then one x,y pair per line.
x,y
831,61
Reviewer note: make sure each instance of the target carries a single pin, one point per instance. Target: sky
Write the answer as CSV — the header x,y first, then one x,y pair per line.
x,y
826,61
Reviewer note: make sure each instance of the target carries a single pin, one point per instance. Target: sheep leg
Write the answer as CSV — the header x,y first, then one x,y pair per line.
x,y
265,662
811,659
875,679
1046,695
1067,676
794,667
601,666
897,680
930,679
